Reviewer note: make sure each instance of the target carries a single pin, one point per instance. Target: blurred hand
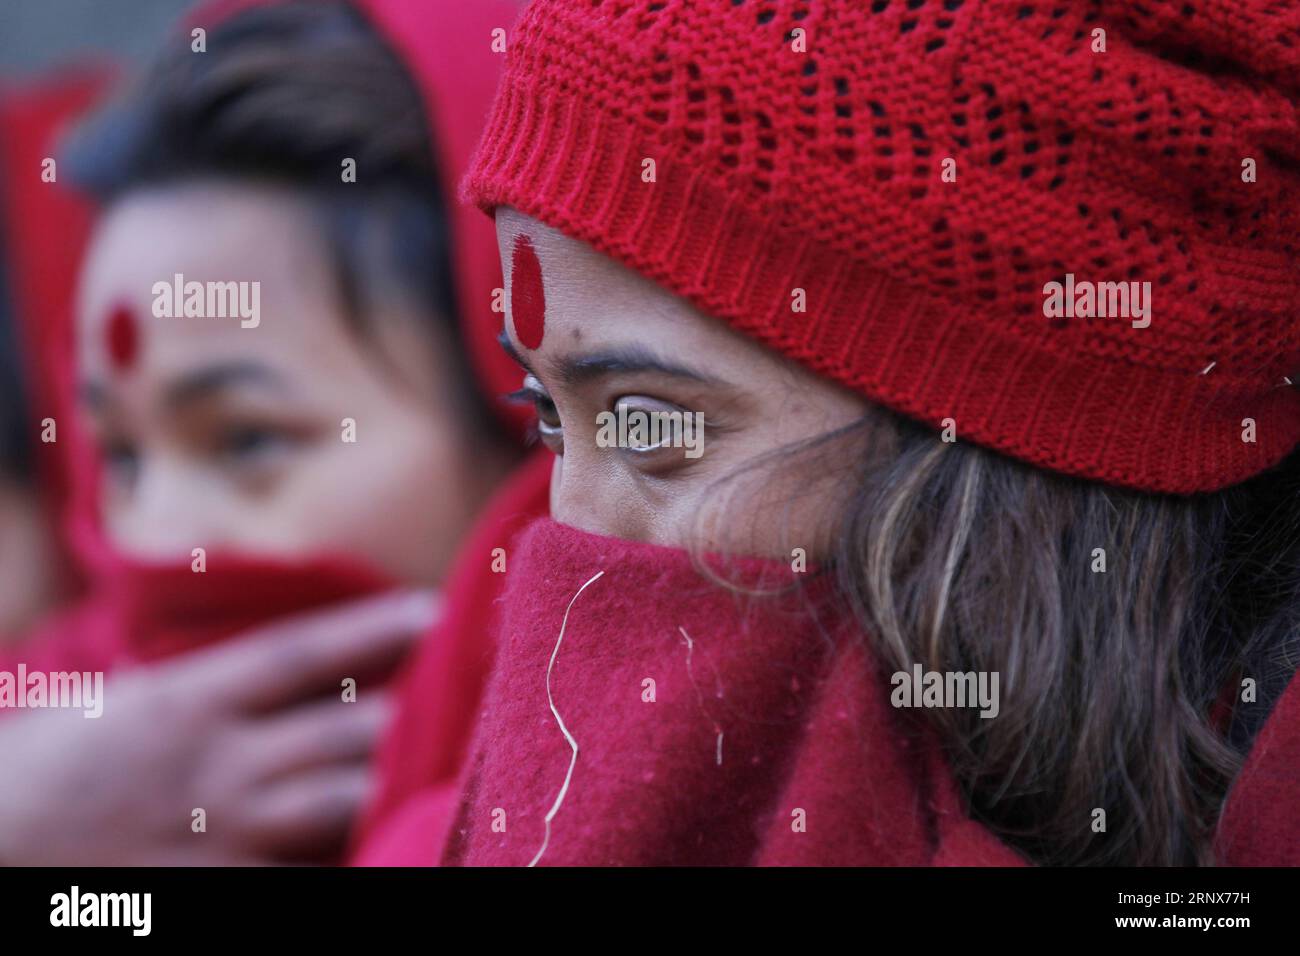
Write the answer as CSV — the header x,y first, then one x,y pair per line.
x,y
253,731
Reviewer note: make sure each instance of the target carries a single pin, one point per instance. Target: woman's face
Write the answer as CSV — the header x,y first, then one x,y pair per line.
x,y
596,336
218,433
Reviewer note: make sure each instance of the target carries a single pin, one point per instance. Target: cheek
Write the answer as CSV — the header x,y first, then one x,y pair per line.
x,y
744,500
388,500
175,509
592,492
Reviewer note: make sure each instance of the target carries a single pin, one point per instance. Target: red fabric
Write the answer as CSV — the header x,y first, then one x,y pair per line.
x,y
168,609
424,751
778,170
85,637
1261,819
45,229
447,46
807,731
147,612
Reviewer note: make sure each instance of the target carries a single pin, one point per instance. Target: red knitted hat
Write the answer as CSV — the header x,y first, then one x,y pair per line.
x,y
812,145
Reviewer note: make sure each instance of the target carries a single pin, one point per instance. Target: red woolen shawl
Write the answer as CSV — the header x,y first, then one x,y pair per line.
x,y
423,756
45,228
807,730
141,612
1261,821
769,741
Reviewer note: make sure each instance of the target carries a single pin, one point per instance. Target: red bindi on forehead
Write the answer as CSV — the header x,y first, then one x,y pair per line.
x,y
122,337
527,297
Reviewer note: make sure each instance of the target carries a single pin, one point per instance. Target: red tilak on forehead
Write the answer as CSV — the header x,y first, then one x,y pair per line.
x,y
527,297
122,337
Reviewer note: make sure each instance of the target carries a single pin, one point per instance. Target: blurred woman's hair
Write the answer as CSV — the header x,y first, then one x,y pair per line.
x,y
282,96
16,433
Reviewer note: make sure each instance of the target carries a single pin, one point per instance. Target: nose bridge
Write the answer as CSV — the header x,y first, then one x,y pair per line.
x,y
566,503
172,511
579,497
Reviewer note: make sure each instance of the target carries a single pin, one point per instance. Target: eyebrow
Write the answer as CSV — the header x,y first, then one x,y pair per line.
x,y
194,386
579,369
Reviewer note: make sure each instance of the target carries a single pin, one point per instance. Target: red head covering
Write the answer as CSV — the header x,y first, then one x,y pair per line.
x,y
447,46
45,229
799,194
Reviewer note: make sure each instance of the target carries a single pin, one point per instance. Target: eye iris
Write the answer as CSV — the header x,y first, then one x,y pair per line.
x,y
121,461
546,411
247,439
253,444
651,423
548,416
120,456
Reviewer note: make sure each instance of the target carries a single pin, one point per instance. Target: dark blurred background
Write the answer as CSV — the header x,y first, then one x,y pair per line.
x,y
38,34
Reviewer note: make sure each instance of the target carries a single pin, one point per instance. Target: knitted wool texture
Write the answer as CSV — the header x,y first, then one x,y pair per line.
x,y
812,161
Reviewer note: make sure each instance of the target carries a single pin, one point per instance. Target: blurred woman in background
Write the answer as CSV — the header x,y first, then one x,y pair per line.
x,y
293,155
332,450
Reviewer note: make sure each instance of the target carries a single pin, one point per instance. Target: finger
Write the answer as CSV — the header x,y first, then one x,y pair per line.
x,y
313,735
309,815
287,660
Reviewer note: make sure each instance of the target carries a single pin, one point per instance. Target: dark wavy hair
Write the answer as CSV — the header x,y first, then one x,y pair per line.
x,y
1121,689
15,433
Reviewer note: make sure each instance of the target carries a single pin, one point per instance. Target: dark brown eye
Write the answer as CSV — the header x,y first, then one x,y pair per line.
x,y
121,460
547,414
549,426
656,436
249,445
647,440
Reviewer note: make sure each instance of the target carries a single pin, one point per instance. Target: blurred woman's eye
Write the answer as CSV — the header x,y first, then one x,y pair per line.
x,y
121,462
252,445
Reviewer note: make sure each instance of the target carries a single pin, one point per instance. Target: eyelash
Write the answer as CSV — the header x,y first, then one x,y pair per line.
x,y
532,396
538,397
245,447
520,396
553,435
